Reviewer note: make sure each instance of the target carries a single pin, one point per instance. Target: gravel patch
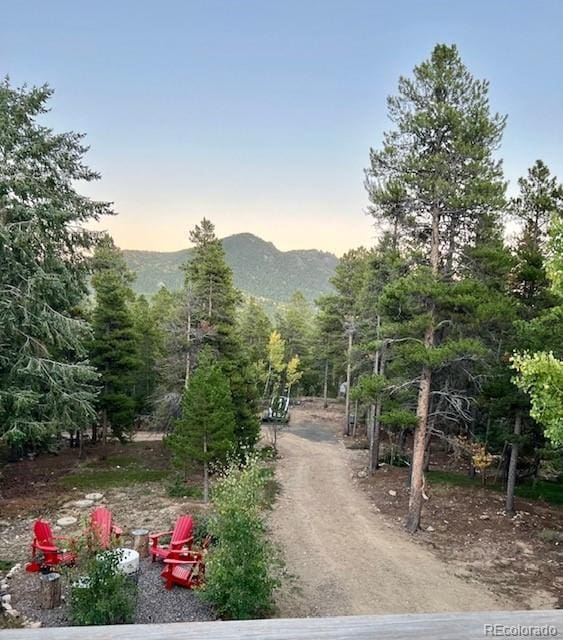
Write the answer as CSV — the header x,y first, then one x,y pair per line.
x,y
154,603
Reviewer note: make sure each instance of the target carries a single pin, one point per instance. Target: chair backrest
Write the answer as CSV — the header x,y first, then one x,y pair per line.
x,y
100,521
182,530
43,532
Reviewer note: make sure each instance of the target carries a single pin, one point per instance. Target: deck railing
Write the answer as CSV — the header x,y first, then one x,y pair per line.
x,y
435,626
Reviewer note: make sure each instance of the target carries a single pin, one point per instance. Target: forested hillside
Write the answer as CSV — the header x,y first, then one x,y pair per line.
x,y
259,269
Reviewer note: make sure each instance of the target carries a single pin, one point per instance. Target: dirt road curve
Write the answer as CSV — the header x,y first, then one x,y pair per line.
x,y
345,559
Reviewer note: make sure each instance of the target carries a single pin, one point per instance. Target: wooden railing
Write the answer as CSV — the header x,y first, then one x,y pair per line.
x,y
435,626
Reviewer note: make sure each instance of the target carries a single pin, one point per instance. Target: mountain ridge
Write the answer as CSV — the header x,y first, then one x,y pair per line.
x,y
260,269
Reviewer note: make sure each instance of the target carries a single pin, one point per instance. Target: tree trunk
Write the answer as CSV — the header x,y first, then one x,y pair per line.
x,y
50,590
412,522
376,434
188,359
348,377
417,473
267,380
325,386
355,424
511,482
104,427
94,433
205,472
210,302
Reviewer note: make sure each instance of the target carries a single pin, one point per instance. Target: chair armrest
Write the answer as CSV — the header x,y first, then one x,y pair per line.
x,y
185,541
156,536
171,561
46,547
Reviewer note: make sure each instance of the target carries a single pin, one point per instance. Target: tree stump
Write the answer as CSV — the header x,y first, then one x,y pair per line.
x,y
50,590
141,542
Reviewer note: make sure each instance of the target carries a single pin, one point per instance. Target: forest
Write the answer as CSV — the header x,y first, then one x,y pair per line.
x,y
447,332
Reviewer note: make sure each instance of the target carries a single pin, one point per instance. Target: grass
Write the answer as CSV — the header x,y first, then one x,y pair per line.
x,y
5,565
100,478
551,492
118,469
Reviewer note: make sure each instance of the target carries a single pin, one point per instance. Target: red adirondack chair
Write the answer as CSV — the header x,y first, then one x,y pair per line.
x,y
186,569
180,540
45,550
102,527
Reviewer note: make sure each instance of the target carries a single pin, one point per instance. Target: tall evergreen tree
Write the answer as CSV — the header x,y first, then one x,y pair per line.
x,y
114,347
46,382
440,153
149,339
205,315
254,328
205,431
214,311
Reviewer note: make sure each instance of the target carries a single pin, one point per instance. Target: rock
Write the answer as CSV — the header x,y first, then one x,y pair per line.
x,y
523,548
96,497
392,492
7,599
12,613
83,504
484,517
67,521
430,529
34,625
4,523
362,474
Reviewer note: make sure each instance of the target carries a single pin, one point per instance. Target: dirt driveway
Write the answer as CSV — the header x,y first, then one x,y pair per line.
x,y
342,556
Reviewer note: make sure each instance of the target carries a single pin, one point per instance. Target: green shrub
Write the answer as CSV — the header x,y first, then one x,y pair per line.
x,y
202,529
178,488
102,595
241,573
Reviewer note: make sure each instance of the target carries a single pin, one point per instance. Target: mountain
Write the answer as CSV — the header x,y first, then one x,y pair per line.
x,y
259,268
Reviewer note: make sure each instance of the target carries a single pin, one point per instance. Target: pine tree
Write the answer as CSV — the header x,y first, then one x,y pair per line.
x,y
205,315
440,154
149,339
254,328
294,322
46,383
205,431
327,341
114,347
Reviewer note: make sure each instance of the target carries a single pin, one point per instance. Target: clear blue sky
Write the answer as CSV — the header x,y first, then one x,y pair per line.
x,y
260,114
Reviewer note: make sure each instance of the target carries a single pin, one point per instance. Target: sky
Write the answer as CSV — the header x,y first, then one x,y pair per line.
x,y
259,114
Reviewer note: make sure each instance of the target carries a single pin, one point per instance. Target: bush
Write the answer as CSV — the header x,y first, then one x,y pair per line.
x,y
202,529
178,488
103,595
241,572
